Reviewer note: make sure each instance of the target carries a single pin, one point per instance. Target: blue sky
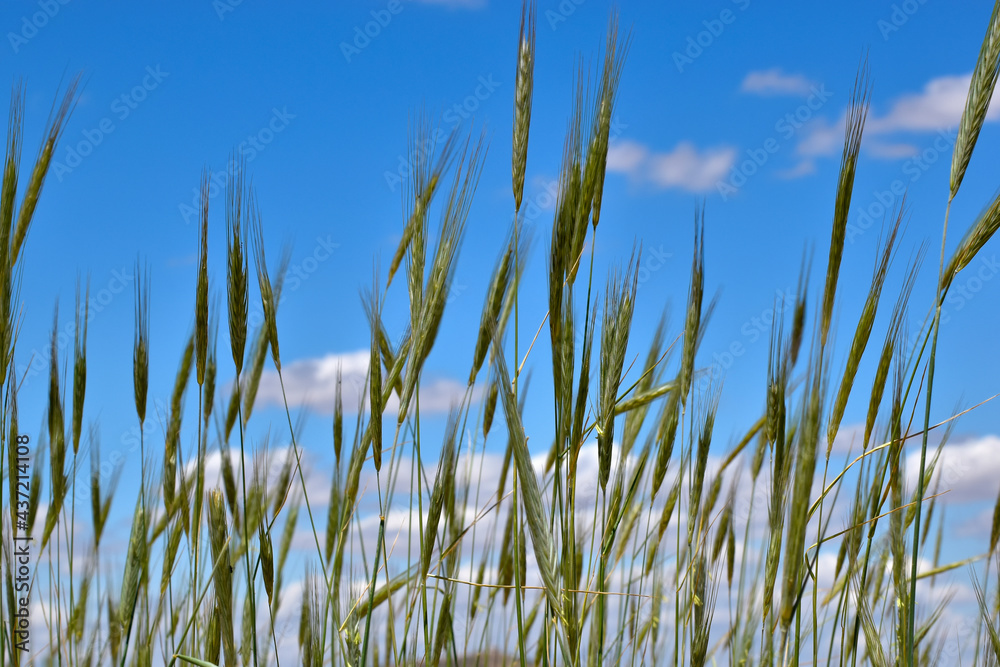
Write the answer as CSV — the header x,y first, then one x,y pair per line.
x,y
735,103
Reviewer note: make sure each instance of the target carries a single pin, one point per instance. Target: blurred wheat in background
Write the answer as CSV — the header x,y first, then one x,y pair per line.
x,y
621,541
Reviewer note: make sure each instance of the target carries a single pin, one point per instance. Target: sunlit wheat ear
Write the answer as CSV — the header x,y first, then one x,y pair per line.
x,y
977,103
597,155
140,349
267,297
80,364
856,114
981,231
55,127
223,573
201,295
523,85
236,266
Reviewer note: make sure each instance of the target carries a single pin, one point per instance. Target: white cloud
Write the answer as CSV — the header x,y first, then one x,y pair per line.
x,y
969,471
938,106
626,156
685,167
890,151
803,168
775,82
820,137
313,383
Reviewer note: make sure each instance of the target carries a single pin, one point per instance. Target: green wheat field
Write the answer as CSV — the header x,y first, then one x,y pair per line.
x,y
640,551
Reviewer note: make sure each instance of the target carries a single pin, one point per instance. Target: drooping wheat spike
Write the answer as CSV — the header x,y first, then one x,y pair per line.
x,y
443,481
140,350
170,553
80,364
236,266
531,496
856,115
500,283
799,313
55,127
984,78
892,340
619,305
523,85
291,520
863,331
172,442
201,294
420,190
985,226
666,432
433,299
490,408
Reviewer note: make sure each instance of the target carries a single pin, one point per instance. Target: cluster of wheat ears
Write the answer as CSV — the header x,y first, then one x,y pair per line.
x,y
533,571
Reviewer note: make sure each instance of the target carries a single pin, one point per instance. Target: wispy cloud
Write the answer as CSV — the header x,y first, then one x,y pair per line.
x,y
774,82
969,470
937,107
685,167
313,383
